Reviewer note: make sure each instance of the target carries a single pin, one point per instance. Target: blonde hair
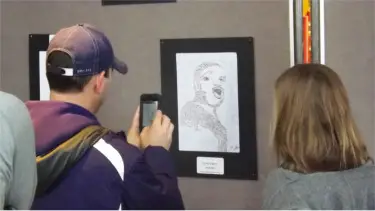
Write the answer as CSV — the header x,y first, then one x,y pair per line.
x,y
313,127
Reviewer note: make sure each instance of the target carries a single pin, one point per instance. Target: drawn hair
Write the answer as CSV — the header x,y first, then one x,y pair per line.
x,y
313,127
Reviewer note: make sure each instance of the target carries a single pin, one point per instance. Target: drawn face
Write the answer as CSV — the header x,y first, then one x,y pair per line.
x,y
212,82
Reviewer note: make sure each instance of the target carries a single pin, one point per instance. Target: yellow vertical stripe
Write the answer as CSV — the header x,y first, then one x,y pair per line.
x,y
306,7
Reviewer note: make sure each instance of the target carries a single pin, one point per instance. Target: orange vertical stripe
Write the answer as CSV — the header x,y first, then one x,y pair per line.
x,y
306,21
306,41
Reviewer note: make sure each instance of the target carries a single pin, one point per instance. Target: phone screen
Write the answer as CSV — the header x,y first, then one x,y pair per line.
x,y
149,109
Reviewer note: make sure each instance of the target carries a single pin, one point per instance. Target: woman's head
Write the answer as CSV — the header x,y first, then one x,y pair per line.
x,y
313,126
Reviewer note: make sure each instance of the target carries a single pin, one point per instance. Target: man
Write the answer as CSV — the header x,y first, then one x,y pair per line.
x,y
17,153
82,165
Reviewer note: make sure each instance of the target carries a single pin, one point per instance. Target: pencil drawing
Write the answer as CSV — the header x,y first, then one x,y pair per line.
x,y
201,111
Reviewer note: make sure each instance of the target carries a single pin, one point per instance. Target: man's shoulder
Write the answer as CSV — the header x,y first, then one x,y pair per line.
x,y
119,142
80,186
109,152
115,148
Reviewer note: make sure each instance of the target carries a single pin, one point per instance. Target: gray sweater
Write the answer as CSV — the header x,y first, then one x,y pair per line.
x,y
350,189
17,154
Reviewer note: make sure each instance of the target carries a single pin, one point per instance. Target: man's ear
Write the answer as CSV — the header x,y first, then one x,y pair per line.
x,y
100,82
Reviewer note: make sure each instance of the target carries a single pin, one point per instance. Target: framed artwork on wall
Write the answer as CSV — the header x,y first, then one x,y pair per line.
x,y
128,2
38,44
208,92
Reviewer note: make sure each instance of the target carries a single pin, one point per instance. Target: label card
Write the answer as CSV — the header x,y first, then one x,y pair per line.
x,y
210,165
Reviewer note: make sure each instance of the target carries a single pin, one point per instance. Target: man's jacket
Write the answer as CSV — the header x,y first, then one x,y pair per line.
x,y
102,171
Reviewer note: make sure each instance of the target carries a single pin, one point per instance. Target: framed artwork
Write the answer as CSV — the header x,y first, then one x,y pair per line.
x,y
208,92
38,44
119,2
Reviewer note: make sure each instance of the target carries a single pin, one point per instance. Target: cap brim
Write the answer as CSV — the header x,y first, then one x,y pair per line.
x,y
120,66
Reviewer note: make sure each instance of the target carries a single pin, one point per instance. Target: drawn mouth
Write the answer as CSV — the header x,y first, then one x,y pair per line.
x,y
218,92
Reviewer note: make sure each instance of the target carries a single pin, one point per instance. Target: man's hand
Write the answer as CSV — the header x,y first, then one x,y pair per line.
x,y
133,132
159,133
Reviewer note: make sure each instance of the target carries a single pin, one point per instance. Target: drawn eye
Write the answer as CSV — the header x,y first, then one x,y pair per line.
x,y
205,78
222,78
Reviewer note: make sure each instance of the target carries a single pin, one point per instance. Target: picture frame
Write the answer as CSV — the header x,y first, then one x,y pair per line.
x,y
183,57
131,2
38,85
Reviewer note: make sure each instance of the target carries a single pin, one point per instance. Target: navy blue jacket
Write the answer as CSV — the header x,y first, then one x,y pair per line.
x,y
111,175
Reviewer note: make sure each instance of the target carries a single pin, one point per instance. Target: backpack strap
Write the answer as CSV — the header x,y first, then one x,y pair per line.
x,y
52,165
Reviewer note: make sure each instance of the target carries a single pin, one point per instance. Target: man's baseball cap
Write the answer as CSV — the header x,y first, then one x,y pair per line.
x,y
89,52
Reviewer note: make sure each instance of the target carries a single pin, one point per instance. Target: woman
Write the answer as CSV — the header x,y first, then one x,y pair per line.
x,y
324,163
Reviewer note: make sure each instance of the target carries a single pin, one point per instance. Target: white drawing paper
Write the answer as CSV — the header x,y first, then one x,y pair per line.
x,y
207,101
43,82
51,37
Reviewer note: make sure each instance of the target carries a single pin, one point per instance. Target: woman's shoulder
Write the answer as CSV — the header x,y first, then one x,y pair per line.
x,y
13,111
276,181
9,101
277,193
282,178
288,188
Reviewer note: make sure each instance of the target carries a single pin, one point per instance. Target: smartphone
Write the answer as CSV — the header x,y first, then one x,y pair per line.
x,y
149,104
